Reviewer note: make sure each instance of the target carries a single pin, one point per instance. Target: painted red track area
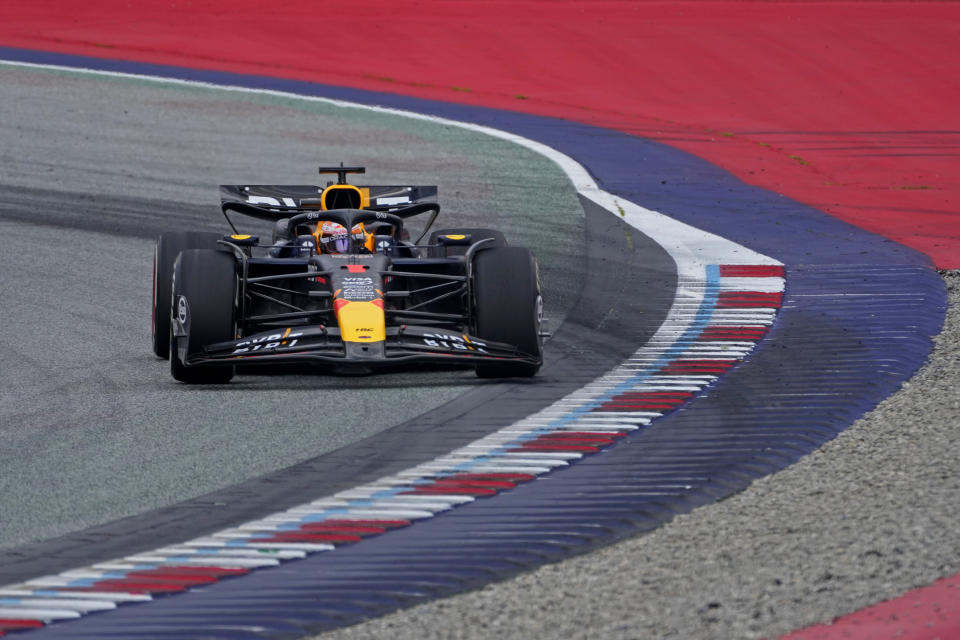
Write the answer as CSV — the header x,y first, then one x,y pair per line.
x,y
930,613
848,107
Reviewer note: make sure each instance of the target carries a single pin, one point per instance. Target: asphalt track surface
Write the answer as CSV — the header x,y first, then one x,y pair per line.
x,y
484,629
93,428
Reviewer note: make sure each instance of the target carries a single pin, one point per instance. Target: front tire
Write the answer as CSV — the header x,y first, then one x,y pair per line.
x,y
508,308
207,281
169,245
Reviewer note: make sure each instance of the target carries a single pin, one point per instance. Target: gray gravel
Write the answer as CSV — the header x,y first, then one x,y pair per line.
x,y
865,518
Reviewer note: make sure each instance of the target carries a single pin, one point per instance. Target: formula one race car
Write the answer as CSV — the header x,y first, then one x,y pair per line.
x,y
340,284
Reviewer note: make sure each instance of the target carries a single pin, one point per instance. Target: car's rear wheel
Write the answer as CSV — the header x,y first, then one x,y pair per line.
x,y
169,245
508,307
204,284
499,240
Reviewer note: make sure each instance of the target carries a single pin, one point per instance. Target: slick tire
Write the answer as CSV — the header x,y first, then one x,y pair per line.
x,y
207,280
508,307
169,246
499,240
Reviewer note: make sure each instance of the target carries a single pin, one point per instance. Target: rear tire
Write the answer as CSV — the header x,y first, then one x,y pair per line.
x,y
499,240
508,307
169,245
207,279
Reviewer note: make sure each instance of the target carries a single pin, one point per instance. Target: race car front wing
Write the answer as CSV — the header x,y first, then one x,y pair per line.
x,y
321,344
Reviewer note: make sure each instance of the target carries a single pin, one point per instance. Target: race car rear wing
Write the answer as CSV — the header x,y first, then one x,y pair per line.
x,y
272,202
276,202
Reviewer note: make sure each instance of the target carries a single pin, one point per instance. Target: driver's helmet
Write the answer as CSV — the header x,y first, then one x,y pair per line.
x,y
332,237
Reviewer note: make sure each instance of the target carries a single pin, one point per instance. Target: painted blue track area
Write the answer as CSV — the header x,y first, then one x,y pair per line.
x,y
856,321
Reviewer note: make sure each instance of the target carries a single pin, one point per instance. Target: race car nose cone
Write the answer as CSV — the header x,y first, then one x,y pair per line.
x,y
360,351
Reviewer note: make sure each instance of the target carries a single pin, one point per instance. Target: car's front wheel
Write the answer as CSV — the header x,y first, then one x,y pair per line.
x,y
169,245
204,285
508,307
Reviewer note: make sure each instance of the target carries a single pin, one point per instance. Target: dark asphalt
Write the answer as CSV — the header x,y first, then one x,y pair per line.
x,y
105,455
92,427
